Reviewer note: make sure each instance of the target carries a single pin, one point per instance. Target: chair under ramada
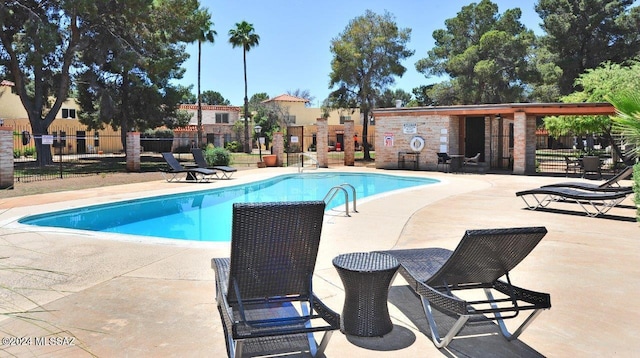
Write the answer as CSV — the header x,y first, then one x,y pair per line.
x,y
201,162
274,247
444,159
479,261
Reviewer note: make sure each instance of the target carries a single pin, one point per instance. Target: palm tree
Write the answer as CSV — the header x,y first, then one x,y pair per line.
x,y
244,35
205,34
627,120
627,123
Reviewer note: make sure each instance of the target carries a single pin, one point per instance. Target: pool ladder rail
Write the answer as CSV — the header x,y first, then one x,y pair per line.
x,y
341,188
313,160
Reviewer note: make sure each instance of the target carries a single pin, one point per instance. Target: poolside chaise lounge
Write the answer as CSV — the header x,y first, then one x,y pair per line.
x,y
612,184
274,247
479,261
176,170
225,171
592,202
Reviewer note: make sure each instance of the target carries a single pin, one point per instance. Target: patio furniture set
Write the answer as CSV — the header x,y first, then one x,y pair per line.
x,y
198,173
585,166
273,254
456,162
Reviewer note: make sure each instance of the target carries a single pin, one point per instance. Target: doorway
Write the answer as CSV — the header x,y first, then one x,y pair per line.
x,y
474,137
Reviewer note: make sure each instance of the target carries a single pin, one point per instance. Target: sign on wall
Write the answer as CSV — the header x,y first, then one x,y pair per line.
x,y
410,128
388,139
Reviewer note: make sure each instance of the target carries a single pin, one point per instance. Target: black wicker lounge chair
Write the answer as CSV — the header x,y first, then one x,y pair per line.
x,y
225,171
273,254
481,258
612,184
592,202
176,169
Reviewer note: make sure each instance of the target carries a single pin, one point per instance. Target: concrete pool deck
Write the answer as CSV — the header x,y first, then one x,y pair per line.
x,y
117,295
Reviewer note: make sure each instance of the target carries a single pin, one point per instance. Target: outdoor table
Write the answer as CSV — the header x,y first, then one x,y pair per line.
x,y
408,157
457,160
366,277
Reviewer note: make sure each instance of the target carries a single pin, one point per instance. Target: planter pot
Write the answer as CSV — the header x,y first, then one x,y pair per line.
x,y
270,160
262,165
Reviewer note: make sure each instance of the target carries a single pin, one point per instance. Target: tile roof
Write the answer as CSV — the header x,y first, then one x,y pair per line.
x,y
286,98
208,107
7,83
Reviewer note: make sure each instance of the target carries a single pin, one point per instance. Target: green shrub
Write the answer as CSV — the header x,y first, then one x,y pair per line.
x,y
17,153
234,146
29,151
217,156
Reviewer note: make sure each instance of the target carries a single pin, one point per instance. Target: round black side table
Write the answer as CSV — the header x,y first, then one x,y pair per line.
x,y
366,277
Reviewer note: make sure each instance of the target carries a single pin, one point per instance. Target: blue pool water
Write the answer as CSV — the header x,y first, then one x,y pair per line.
x,y
206,215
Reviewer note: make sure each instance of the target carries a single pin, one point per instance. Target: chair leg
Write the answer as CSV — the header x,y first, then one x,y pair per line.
x,y
503,328
435,336
315,349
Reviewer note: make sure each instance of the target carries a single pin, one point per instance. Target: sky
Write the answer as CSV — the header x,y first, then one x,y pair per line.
x,y
295,37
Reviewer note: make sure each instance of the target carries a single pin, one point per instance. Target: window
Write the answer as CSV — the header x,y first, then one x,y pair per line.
x,y
68,113
222,117
290,119
344,118
96,139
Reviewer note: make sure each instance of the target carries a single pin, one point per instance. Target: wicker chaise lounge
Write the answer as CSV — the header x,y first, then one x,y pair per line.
x,y
225,171
612,184
479,260
593,203
273,254
176,169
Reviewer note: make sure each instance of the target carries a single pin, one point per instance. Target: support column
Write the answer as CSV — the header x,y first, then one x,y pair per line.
x,y
322,142
133,151
278,148
524,146
349,146
6,158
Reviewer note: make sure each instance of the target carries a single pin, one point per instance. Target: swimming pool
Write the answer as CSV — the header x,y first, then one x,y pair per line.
x,y
206,215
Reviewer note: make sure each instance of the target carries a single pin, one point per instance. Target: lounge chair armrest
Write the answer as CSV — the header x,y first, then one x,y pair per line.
x,y
441,299
329,315
538,299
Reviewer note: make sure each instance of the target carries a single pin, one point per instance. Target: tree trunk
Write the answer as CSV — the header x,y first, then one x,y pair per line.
x,y
365,132
247,147
43,151
199,144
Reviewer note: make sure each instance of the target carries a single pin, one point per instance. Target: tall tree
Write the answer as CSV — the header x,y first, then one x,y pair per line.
x,y
243,35
597,86
302,93
214,98
582,34
388,98
422,96
44,45
484,53
366,58
38,45
205,34
125,80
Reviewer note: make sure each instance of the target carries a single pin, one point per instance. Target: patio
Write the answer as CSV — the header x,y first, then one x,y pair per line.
x,y
145,297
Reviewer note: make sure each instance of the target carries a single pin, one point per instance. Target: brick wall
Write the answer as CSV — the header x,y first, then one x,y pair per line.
x,y
393,135
6,157
133,151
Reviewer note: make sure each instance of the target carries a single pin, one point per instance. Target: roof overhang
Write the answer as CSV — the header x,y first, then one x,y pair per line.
x,y
534,109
